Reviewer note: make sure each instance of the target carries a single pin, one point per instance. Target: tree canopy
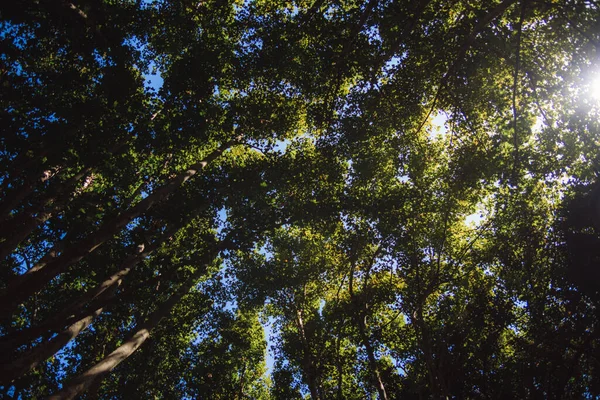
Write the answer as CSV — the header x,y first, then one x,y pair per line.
x,y
324,199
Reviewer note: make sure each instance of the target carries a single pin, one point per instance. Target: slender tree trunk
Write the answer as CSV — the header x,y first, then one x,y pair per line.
x,y
9,343
12,200
307,362
56,192
19,367
23,286
360,315
436,382
83,382
92,393
240,393
371,357
338,362
16,229
80,384
20,192
15,369
24,163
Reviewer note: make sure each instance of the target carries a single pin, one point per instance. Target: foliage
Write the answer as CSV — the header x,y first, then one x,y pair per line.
x,y
318,199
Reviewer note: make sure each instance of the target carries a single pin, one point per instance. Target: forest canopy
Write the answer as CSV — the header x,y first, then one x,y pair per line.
x,y
309,199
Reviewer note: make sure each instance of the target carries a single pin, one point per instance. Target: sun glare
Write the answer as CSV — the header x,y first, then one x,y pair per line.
x,y
595,88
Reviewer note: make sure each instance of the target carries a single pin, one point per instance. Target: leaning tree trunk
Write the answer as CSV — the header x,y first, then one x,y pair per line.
x,y
16,229
9,343
12,199
23,286
84,381
12,370
32,170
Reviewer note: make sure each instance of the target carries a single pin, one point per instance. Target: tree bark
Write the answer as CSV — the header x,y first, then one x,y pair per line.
x,y
435,380
338,362
16,229
12,200
80,384
240,393
23,286
52,146
56,194
307,362
362,326
15,369
10,343
360,315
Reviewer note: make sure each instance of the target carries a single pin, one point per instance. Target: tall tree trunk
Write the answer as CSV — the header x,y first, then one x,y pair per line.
x,y
359,315
307,361
80,384
338,362
21,225
362,327
27,284
12,199
240,393
16,229
435,380
92,393
29,166
10,371
9,343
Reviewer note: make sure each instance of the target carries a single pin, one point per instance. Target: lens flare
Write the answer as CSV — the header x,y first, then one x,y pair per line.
x,y
595,88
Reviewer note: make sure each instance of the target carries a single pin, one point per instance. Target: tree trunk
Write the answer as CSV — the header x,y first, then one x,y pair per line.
x,y
12,200
92,393
23,286
80,384
338,362
57,193
307,362
15,230
435,380
240,394
10,343
15,369
359,316
98,371
362,326
25,162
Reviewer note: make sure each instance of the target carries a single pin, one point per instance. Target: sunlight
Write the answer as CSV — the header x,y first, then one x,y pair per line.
x,y
438,126
538,125
595,88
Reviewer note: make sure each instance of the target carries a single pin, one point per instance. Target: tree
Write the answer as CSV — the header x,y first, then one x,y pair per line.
x,y
404,189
